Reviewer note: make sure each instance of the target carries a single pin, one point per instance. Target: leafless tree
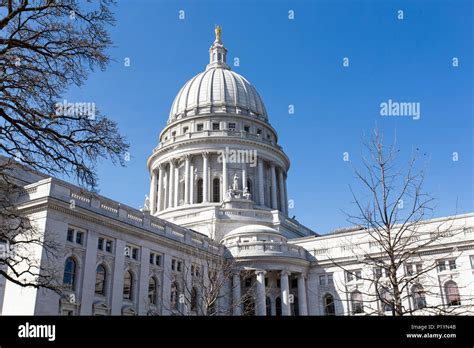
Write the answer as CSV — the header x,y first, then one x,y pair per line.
x,y
392,210
204,286
47,46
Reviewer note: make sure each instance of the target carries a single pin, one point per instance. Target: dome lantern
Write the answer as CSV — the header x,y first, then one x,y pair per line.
x,y
217,52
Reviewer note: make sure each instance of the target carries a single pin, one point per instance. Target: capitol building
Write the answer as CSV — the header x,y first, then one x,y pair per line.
x,y
215,236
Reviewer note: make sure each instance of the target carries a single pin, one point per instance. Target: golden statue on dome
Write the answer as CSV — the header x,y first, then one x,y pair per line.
x,y
218,31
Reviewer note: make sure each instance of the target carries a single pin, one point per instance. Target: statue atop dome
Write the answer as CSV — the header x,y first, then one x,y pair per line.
x,y
218,31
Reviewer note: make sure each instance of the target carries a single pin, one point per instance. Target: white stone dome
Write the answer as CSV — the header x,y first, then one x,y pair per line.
x,y
217,90
252,230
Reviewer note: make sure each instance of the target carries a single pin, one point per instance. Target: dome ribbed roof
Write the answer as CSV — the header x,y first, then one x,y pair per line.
x,y
217,90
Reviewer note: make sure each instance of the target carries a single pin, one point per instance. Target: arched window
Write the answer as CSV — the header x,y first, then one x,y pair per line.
x,y
69,278
100,279
278,306
357,302
216,190
199,191
152,291
328,303
418,296
268,305
249,186
452,294
127,285
194,299
174,296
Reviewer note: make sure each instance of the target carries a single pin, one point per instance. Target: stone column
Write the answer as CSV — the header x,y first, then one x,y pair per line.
x,y
205,177
274,184
89,274
171,185
153,191
143,281
261,190
117,280
281,187
302,301
176,185
261,308
159,203
224,176
191,184
285,293
186,179
236,294
244,178
286,195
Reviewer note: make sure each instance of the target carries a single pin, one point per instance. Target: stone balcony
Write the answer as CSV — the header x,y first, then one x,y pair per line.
x,y
265,248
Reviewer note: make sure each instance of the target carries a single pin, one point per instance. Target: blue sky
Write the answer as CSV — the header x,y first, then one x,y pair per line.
x,y
299,62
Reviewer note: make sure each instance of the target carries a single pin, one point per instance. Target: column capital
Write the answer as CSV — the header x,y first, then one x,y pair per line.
x,y
205,154
260,271
172,161
303,275
285,272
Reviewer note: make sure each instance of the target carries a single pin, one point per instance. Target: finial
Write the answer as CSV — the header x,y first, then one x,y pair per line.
x,y
218,31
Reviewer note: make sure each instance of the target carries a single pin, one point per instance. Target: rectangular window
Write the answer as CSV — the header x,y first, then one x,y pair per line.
x,y
378,273
247,129
157,260
185,129
330,279
179,266
152,258
409,268
100,244
441,266
108,246
216,126
452,264
199,127
173,265
173,134
231,126
419,268
353,275
135,253
322,280
79,237
70,235
472,262
259,131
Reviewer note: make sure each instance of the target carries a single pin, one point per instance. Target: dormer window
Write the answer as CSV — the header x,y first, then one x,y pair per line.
x,y
231,126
